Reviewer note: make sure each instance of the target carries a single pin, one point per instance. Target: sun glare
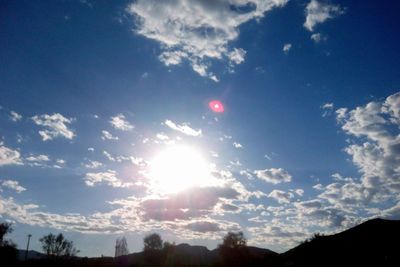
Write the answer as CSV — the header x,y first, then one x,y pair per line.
x,y
177,168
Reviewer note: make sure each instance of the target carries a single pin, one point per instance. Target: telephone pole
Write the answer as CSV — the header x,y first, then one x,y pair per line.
x,y
27,247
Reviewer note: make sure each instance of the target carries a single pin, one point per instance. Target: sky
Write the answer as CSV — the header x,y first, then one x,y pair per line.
x,y
106,128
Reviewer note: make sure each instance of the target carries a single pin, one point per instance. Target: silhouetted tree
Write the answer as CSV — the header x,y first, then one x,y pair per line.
x,y
153,242
8,250
5,228
233,250
121,247
58,246
153,254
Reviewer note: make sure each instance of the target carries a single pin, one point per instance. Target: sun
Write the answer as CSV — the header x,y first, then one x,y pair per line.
x,y
177,168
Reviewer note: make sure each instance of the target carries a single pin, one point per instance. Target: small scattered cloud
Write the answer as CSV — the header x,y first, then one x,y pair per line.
x,y
106,135
286,48
119,122
318,12
281,196
183,128
9,156
328,109
237,145
14,116
273,175
108,177
92,164
318,37
55,125
14,185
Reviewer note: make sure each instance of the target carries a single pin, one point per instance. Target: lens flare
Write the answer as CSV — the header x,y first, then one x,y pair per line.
x,y
216,106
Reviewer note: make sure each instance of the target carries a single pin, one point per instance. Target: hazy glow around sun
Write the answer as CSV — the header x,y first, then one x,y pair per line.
x,y
177,168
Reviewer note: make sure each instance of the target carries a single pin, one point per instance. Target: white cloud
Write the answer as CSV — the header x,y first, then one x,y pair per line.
x,y
14,185
38,158
55,126
274,175
109,177
318,37
183,128
106,135
375,145
119,122
92,164
14,116
197,31
9,156
319,12
237,145
281,196
286,48
162,137
327,108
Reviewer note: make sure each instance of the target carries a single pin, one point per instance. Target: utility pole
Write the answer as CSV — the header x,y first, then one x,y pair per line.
x,y
27,247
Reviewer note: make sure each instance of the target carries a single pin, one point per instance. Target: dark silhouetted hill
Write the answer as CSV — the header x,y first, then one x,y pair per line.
x,y
372,243
32,254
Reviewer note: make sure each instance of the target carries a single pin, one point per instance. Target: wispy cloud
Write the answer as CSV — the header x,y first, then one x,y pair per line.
x,y
108,177
183,128
106,135
55,125
318,12
119,122
9,156
199,31
273,175
286,48
14,116
14,185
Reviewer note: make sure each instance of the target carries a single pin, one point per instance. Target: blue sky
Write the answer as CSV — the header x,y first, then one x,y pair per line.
x,y
100,98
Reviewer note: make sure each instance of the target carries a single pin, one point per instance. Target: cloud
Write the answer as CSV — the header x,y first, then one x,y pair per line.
x,y
183,128
328,109
9,156
274,175
92,164
197,31
375,146
237,145
39,158
286,48
203,226
319,12
119,122
14,116
55,126
106,135
281,196
317,37
14,185
193,203
108,177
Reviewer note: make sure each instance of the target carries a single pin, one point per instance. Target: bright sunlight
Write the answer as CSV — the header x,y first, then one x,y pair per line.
x,y
177,168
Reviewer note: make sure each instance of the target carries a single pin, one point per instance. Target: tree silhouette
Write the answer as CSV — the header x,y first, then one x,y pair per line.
x,y
153,242
233,250
58,246
121,247
5,228
8,251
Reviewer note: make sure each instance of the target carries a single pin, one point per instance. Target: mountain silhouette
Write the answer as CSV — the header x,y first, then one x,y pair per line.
x,y
372,243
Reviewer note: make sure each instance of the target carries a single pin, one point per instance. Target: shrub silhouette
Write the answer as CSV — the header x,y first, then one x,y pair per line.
x,y
58,246
8,250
